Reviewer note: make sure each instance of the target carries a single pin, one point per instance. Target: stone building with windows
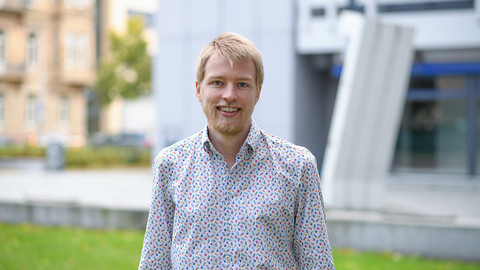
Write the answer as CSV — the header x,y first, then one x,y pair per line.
x,y
47,62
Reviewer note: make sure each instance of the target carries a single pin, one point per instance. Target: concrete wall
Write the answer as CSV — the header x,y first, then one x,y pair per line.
x,y
73,215
414,235
185,27
314,98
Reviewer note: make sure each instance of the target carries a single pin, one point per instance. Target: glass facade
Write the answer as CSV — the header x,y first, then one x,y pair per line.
x,y
477,139
433,137
440,127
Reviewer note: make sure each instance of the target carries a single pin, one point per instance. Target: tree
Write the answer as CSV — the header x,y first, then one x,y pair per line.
x,y
126,72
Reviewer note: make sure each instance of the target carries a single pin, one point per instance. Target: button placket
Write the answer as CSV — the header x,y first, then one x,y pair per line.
x,y
227,185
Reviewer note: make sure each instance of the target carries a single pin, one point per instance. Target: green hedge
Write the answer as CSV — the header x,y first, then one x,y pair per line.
x,y
87,157
21,151
103,157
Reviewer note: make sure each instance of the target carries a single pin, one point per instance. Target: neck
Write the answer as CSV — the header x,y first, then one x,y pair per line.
x,y
228,144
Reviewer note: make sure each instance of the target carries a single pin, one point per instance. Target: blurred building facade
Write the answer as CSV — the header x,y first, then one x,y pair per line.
x,y
49,51
303,55
440,130
47,61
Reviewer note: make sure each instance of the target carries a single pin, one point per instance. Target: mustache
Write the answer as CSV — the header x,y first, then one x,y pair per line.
x,y
227,104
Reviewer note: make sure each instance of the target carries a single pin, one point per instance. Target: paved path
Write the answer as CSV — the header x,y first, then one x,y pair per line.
x,y
117,189
131,189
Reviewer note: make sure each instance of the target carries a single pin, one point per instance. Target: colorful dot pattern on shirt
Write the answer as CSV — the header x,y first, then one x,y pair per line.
x,y
266,212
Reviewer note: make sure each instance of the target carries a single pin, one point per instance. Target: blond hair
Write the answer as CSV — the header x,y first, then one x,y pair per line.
x,y
235,49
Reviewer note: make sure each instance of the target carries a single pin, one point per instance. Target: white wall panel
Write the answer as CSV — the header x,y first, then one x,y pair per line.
x,y
366,113
185,27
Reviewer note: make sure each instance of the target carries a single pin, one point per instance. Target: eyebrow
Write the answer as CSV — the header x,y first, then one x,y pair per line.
x,y
240,78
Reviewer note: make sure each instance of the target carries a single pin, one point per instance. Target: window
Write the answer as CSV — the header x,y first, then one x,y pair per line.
x,y
2,50
81,57
31,110
441,121
2,109
64,111
32,50
55,55
433,137
79,4
70,50
76,54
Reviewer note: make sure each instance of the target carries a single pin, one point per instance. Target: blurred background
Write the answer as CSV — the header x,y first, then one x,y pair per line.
x,y
91,90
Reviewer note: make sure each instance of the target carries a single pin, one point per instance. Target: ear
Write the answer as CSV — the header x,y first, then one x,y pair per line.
x,y
258,94
197,91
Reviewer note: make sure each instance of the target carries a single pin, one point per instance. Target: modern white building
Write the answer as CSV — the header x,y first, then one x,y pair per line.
x,y
303,54
184,27
437,150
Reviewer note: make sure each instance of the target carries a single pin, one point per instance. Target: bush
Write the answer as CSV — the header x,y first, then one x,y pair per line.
x,y
21,151
86,157
103,157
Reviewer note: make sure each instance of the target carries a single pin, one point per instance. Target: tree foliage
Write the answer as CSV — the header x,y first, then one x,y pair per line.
x,y
126,71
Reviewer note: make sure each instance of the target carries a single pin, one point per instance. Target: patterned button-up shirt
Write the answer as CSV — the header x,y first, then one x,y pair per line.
x,y
266,212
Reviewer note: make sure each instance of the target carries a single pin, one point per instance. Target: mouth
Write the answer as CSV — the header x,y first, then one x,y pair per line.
x,y
228,109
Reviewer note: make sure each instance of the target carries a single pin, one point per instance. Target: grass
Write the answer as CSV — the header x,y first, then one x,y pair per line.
x,y
35,247
354,260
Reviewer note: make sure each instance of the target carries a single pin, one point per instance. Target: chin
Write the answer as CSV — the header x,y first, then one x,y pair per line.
x,y
228,128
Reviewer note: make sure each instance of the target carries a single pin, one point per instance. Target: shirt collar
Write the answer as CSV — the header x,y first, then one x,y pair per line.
x,y
254,136
253,139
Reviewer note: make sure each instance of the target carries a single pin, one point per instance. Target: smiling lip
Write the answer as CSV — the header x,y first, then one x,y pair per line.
x,y
228,111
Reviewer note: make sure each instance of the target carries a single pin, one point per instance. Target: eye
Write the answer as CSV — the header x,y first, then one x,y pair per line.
x,y
216,82
242,84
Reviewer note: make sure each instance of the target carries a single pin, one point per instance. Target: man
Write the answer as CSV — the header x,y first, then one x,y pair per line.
x,y
233,196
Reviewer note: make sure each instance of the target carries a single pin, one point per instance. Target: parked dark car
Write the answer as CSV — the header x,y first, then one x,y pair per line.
x,y
138,140
6,141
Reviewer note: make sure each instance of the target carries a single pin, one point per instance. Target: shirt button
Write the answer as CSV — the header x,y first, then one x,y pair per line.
x,y
228,258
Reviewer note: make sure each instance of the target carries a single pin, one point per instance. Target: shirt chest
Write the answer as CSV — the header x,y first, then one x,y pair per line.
x,y
252,191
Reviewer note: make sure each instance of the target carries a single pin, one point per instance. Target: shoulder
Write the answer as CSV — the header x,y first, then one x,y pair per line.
x,y
288,152
178,151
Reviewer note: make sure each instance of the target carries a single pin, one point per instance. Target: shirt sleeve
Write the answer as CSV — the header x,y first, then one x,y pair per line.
x,y
158,233
311,244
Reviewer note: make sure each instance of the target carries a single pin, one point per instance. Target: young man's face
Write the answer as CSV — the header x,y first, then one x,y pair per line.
x,y
228,95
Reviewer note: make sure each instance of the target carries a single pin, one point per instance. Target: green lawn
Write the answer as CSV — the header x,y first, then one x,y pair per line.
x,y
353,260
35,247
31,247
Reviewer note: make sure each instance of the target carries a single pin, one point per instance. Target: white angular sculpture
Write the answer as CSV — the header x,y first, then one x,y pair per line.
x,y
367,112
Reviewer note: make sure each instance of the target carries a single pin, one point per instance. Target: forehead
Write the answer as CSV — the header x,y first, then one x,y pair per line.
x,y
218,66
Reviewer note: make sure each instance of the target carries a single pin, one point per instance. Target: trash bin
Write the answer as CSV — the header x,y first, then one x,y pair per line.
x,y
55,156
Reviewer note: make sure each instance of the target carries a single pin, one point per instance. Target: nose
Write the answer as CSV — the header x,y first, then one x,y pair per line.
x,y
229,93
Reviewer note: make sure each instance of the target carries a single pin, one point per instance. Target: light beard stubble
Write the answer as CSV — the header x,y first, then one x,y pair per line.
x,y
222,125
